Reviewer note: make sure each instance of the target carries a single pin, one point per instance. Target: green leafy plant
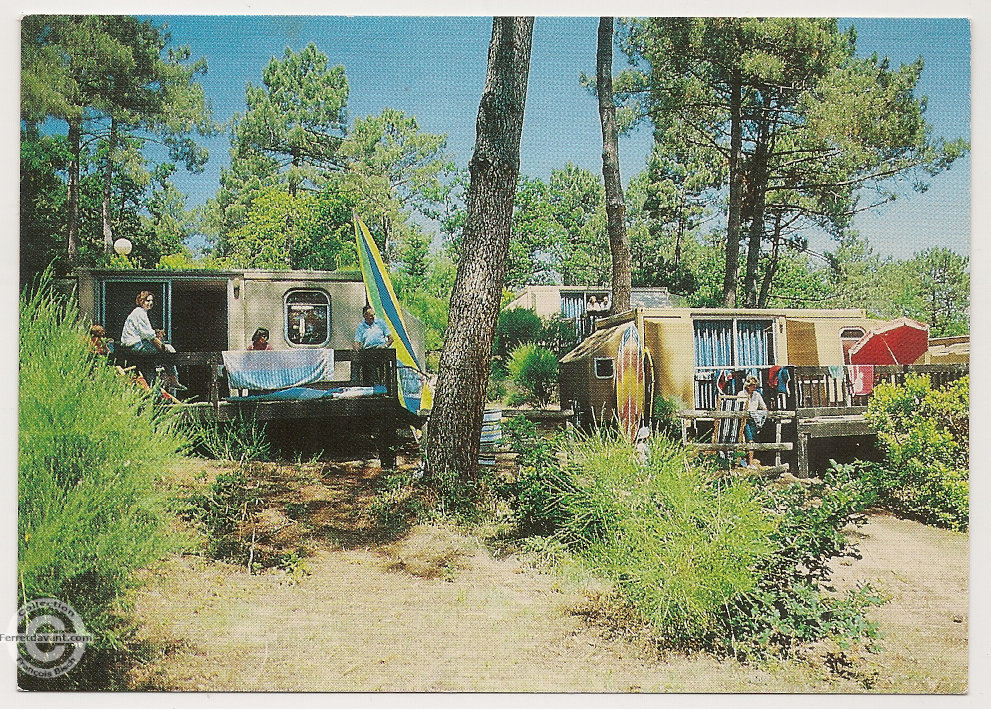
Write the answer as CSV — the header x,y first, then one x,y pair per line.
x,y
90,507
708,561
515,327
534,370
242,439
223,509
925,436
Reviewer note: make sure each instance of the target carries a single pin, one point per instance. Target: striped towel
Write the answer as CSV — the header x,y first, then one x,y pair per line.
x,y
277,369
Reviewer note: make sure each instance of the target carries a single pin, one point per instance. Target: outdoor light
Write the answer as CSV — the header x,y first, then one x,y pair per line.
x,y
122,246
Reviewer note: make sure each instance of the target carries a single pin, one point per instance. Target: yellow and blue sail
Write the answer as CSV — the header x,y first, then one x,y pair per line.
x,y
414,394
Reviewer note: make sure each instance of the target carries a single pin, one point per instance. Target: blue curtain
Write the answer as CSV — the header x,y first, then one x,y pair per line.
x,y
752,343
713,343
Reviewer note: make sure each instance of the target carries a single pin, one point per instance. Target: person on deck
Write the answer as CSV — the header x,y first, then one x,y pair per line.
x,y
142,341
755,404
99,343
259,341
372,332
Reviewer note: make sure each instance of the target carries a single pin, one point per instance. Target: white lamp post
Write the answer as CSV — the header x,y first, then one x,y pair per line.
x,y
122,246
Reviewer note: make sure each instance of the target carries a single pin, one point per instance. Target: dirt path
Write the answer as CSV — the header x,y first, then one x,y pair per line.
x,y
364,620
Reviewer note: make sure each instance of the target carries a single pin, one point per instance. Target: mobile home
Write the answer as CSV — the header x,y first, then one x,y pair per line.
x,y
214,311
687,350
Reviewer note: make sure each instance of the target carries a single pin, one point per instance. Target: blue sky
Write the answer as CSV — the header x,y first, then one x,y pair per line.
x,y
407,62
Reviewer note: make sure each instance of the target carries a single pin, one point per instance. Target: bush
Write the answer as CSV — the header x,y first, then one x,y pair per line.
x,y
534,370
925,436
665,421
560,335
515,327
710,562
91,447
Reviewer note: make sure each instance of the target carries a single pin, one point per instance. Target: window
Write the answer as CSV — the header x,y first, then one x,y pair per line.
x,y
734,344
848,338
307,318
604,368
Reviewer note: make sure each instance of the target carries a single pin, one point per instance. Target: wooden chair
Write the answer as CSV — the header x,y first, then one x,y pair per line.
x,y
729,430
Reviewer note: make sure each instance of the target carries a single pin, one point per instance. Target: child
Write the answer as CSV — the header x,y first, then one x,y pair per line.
x,y
99,344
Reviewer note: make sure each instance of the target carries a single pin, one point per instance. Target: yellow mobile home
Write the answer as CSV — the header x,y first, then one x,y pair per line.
x,y
687,350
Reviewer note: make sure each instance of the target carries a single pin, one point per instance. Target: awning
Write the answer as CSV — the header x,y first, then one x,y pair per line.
x,y
900,341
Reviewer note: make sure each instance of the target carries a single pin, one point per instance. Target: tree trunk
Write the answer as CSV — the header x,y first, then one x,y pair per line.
x,y
108,173
758,182
772,267
619,243
456,420
735,193
72,206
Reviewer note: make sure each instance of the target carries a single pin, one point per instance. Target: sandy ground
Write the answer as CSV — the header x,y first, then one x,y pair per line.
x,y
435,611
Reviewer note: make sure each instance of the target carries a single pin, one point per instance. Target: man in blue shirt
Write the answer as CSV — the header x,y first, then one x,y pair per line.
x,y
372,333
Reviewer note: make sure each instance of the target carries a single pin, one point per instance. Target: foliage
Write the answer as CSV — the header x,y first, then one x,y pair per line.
x,y
559,230
749,95
664,420
942,291
789,605
296,120
533,493
711,562
534,370
515,327
280,231
118,88
91,449
222,509
925,436
241,439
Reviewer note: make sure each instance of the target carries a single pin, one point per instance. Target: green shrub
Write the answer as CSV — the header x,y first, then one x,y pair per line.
x,y
560,335
679,546
709,561
515,327
789,605
665,422
91,449
534,370
925,436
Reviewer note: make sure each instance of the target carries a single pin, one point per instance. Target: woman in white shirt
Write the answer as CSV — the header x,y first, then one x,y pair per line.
x,y
755,403
139,337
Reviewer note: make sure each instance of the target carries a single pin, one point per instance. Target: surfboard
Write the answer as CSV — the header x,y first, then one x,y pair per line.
x,y
630,382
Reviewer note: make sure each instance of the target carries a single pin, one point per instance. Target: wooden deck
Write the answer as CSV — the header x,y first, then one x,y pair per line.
x,y
820,406
379,413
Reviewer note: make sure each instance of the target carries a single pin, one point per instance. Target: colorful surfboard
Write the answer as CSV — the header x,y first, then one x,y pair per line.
x,y
630,382
414,393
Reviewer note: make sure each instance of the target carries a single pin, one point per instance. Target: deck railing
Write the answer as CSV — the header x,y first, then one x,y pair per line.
x,y
815,387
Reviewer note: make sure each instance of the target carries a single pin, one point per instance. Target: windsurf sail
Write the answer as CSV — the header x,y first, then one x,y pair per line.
x,y
414,394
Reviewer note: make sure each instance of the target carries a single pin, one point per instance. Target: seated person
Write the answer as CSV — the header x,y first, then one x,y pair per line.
x,y
141,344
259,341
99,343
755,405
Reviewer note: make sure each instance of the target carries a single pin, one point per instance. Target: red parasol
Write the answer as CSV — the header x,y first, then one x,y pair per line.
x,y
900,341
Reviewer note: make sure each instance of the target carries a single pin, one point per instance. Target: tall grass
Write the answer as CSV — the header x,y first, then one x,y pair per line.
x,y
91,448
709,562
679,545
